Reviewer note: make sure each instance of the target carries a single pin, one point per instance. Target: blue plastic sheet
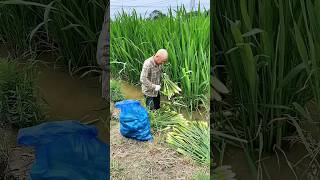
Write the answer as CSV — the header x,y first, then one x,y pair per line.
x,y
134,120
66,150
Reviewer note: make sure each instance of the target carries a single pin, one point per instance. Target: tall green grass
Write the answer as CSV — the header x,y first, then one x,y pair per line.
x,y
185,36
271,56
306,26
20,103
75,27
17,23
69,28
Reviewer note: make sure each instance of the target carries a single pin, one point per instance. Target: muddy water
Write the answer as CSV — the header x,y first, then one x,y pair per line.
x,y
130,91
72,98
275,165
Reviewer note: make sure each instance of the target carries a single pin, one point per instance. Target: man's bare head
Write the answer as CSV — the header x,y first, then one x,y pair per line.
x,y
161,56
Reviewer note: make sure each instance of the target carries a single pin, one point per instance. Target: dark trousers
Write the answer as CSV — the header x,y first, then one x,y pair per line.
x,y
153,102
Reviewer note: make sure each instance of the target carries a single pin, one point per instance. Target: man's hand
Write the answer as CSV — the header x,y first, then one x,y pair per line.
x,y
157,88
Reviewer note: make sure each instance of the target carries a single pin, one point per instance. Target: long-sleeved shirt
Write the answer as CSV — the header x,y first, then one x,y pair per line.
x,y
103,54
150,76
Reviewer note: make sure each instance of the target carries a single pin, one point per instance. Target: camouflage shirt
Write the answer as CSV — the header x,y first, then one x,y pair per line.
x,y
150,76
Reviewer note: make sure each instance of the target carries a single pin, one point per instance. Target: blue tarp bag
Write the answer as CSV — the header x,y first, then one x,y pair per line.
x,y
134,120
66,150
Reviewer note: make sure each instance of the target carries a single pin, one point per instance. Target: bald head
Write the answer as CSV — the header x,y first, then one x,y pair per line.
x,y
161,56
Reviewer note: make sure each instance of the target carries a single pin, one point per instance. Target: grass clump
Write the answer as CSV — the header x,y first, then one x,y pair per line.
x,y
4,153
117,171
20,105
115,91
201,176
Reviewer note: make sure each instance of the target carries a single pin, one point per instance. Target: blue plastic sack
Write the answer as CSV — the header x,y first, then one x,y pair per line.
x,y
134,120
66,150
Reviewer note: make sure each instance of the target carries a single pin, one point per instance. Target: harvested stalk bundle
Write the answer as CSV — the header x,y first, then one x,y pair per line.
x,y
165,119
170,88
191,139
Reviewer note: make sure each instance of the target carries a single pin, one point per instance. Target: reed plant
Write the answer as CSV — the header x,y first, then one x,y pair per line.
x,y
185,36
